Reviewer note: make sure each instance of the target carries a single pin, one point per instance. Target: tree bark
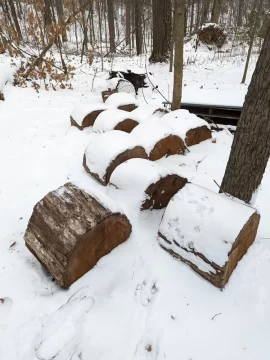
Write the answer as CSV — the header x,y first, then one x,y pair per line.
x,y
205,11
240,13
216,9
15,19
251,147
138,27
179,14
110,6
127,3
60,13
191,18
162,30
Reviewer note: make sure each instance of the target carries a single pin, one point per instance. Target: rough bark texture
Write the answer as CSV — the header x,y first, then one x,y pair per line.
x,y
136,152
127,125
87,121
171,145
251,147
128,107
110,4
216,9
205,11
162,30
128,22
244,240
138,27
179,11
197,135
69,231
15,18
160,193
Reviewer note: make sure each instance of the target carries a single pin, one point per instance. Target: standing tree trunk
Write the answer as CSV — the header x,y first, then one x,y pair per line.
x,y
110,6
138,27
179,14
205,11
162,30
251,147
60,13
240,13
15,19
127,3
191,18
48,19
216,9
252,40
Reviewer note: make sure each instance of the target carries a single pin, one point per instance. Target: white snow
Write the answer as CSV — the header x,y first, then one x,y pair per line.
x,y
201,220
6,75
82,110
119,99
181,121
108,119
129,68
105,147
152,127
145,111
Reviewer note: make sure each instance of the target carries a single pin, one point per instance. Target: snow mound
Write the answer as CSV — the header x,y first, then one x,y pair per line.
x,y
150,132
144,112
105,147
197,218
81,111
6,75
181,121
129,68
119,99
108,119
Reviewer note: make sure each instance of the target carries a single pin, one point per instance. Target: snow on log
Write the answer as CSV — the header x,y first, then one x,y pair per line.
x,y
71,229
84,115
122,101
189,126
210,232
114,119
152,184
145,112
108,150
158,140
106,93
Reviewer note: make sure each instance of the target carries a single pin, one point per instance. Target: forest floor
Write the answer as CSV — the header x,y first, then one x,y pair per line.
x,y
137,298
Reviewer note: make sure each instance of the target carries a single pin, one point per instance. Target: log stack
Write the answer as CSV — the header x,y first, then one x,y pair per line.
x,y
71,229
209,232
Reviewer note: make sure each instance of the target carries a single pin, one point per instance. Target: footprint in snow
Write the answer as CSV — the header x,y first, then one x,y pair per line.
x,y
144,293
60,335
5,307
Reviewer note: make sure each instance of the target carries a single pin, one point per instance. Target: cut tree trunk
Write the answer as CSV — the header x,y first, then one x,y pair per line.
x,y
70,230
251,147
197,135
208,231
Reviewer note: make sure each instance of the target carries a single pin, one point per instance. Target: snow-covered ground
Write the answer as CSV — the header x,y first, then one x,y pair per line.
x,y
138,302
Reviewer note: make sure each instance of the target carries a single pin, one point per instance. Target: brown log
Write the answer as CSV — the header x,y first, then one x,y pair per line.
x,y
70,230
88,121
128,107
106,93
127,125
170,145
197,135
2,96
195,231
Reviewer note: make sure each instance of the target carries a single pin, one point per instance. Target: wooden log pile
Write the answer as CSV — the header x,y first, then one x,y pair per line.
x,y
71,229
199,227
114,119
84,116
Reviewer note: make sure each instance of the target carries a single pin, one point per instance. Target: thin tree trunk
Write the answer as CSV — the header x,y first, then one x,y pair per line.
x,y
251,147
110,5
252,40
173,41
240,13
127,3
60,13
15,19
179,13
216,9
138,27
205,11
191,18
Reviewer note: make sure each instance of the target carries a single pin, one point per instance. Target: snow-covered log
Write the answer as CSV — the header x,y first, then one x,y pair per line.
x,y
2,96
114,119
158,140
147,184
71,229
189,126
122,101
108,150
84,115
147,111
210,232
106,93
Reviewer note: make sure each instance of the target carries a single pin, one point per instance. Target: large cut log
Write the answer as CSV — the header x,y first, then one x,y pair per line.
x,y
146,112
71,229
146,184
84,115
158,140
114,119
108,150
190,127
210,232
118,85
122,101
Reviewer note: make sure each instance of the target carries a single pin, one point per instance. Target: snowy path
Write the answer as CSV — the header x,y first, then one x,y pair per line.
x,y
137,303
